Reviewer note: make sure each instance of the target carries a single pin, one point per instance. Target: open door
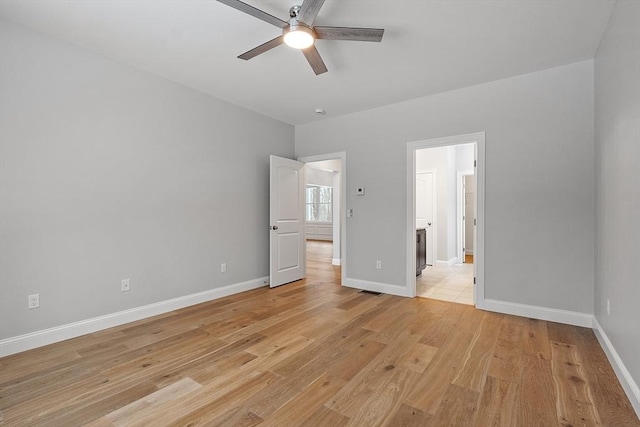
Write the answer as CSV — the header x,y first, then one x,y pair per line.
x,y
286,221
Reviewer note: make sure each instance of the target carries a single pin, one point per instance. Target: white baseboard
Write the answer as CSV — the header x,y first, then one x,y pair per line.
x,y
535,312
449,263
384,288
336,261
628,384
60,333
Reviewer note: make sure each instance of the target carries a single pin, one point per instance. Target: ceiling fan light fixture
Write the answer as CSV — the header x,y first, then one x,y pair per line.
x,y
298,36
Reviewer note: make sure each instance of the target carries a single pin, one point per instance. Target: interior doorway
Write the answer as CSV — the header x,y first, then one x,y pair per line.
x,y
325,214
447,278
458,220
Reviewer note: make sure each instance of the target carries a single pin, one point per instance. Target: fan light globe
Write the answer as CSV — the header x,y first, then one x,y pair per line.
x,y
298,37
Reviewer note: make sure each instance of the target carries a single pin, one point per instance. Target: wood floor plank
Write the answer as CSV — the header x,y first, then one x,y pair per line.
x,y
418,357
574,399
355,361
479,353
536,394
458,407
315,353
209,405
536,339
429,391
331,349
407,416
325,417
132,413
507,357
498,404
613,406
444,326
305,403
374,377
237,417
385,399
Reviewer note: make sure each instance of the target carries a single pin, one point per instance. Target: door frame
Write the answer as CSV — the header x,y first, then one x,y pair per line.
x,y
460,212
478,139
342,156
434,228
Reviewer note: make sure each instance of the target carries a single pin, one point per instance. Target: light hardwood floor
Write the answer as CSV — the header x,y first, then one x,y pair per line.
x,y
314,353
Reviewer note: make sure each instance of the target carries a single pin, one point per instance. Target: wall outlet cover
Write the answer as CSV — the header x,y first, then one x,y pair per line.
x,y
33,301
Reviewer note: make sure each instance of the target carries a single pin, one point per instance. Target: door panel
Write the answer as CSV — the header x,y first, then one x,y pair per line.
x,y
286,221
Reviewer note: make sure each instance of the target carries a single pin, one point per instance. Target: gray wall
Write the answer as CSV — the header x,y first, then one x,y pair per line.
x,y
617,136
539,245
108,172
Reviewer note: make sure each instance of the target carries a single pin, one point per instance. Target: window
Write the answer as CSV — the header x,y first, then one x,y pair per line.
x,y
319,208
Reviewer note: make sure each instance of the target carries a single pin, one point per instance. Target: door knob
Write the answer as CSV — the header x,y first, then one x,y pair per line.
x,y
273,227
429,224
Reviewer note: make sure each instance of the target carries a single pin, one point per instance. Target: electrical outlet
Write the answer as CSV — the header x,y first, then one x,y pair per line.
x,y
608,306
378,264
33,301
124,285
223,267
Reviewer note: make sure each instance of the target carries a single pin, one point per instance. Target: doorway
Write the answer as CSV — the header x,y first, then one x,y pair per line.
x,y
325,174
464,154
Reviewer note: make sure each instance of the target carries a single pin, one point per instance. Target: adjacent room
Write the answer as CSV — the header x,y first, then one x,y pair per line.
x,y
320,213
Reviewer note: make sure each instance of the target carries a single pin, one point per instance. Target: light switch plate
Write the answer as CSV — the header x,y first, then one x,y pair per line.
x,y
360,191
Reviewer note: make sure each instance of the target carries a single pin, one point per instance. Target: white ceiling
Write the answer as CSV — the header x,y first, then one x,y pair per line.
x,y
428,46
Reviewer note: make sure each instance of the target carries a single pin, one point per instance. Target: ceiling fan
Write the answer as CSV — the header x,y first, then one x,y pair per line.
x,y
300,33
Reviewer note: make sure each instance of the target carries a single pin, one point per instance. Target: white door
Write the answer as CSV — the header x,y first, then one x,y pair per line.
x,y
286,221
469,214
424,210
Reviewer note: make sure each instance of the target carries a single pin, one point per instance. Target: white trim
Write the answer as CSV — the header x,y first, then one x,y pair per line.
x,y
628,384
478,139
536,312
342,156
335,261
460,241
384,288
72,330
453,261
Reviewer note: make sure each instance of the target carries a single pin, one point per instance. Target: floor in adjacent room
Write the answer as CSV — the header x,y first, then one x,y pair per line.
x,y
447,283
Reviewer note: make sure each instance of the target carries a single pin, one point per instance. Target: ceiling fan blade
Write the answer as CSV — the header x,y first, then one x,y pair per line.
x,y
248,9
309,10
349,33
262,48
316,62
